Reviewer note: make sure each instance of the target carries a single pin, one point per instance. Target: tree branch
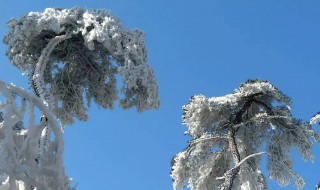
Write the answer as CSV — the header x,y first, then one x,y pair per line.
x,y
269,110
38,75
231,174
206,138
241,162
232,141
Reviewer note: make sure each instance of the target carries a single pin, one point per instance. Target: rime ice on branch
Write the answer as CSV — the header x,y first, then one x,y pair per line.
x,y
69,53
228,134
24,163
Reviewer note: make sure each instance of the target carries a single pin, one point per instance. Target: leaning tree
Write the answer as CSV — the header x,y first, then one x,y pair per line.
x,y
229,134
71,57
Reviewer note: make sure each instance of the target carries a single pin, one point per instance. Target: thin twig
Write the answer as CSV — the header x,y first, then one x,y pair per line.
x,y
240,163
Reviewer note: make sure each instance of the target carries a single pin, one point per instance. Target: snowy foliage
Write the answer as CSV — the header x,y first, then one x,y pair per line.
x,y
30,150
228,134
315,119
72,53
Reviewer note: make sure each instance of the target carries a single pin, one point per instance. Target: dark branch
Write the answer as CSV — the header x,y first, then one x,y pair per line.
x,y
232,174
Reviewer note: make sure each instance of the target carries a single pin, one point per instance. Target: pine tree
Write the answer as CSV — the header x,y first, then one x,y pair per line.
x,y
71,57
230,133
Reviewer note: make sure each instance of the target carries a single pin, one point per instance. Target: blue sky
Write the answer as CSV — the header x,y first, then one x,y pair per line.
x,y
204,46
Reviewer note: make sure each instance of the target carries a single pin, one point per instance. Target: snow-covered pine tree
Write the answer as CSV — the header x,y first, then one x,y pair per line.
x,y
230,133
71,57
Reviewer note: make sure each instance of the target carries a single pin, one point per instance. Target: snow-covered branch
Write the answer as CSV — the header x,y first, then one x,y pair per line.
x,y
239,164
315,119
19,146
39,73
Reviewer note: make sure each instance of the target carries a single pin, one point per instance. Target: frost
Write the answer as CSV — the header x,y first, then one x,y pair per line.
x,y
228,134
315,119
21,157
69,53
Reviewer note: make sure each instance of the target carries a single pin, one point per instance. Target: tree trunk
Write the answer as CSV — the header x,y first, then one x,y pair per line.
x,y
231,175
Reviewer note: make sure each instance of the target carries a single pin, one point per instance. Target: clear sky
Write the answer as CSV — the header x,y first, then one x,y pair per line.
x,y
205,46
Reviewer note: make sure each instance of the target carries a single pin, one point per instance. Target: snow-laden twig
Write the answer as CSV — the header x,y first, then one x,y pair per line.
x,y
315,119
239,164
206,139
